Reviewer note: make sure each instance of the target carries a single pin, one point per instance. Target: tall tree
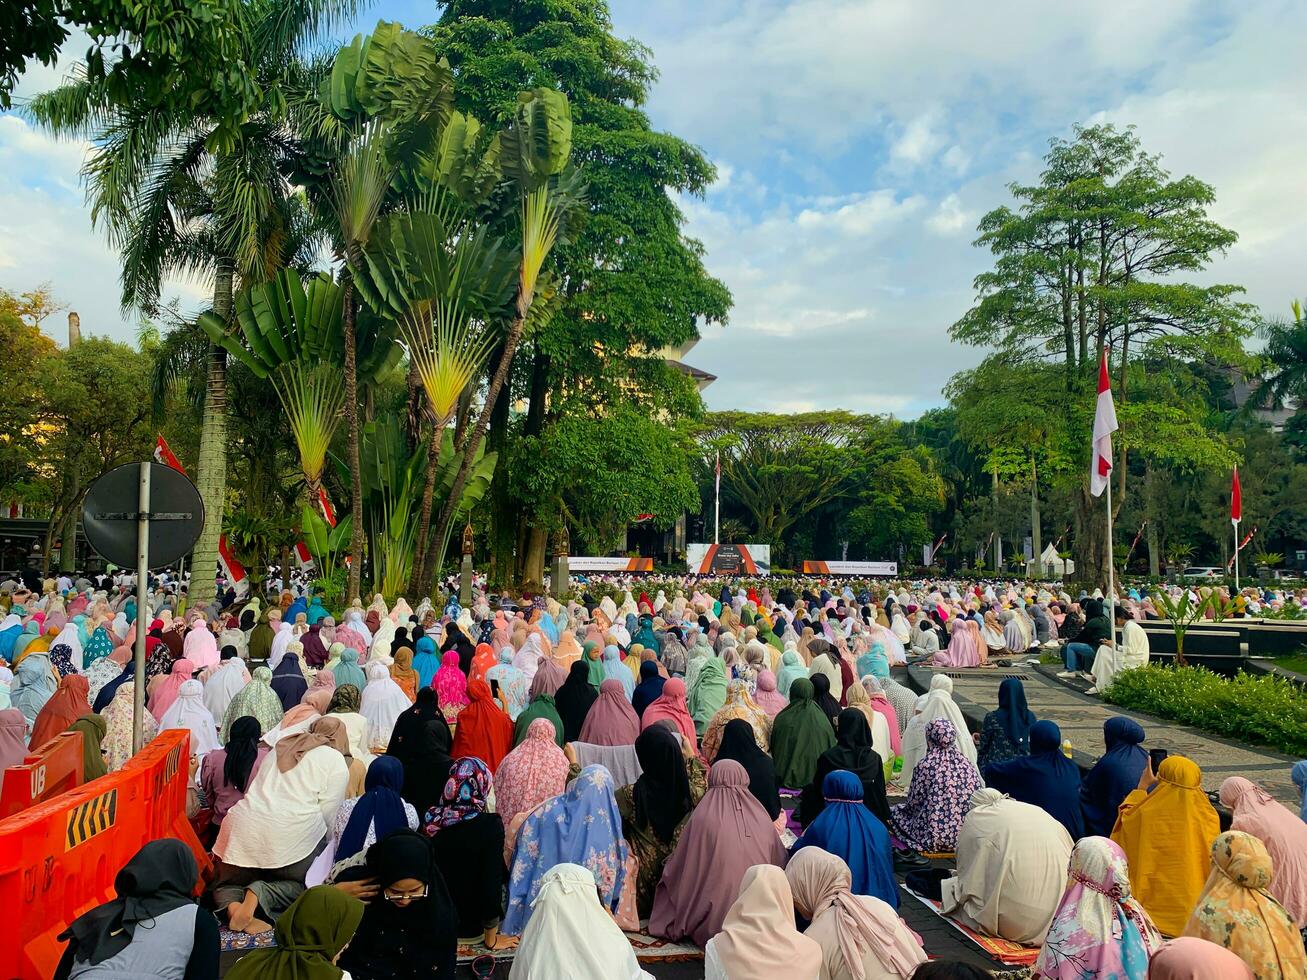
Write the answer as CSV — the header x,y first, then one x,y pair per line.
x,y
176,192
1094,257
630,282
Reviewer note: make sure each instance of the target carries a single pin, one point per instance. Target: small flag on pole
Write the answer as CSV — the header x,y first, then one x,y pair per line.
x,y
1100,467
1236,499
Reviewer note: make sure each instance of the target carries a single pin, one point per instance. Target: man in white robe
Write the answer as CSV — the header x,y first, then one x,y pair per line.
x,y
1112,658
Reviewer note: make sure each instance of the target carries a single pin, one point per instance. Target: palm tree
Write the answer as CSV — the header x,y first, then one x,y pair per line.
x,y
178,200
1286,349
537,149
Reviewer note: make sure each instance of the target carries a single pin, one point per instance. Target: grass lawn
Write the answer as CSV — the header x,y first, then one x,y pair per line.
x,y
1296,663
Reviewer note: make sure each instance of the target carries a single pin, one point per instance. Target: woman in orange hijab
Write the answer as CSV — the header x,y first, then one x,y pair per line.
x,y
482,660
1166,829
66,705
484,729
403,674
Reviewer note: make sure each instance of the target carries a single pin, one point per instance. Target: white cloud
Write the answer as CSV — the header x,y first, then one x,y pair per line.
x,y
918,142
46,234
950,218
882,129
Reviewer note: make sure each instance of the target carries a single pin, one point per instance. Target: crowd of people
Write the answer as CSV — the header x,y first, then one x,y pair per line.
x,y
730,769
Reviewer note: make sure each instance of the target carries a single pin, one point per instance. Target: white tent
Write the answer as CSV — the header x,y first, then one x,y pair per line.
x,y
1050,564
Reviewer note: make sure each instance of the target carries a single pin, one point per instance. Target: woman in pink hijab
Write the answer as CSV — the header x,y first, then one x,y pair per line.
x,y
200,646
670,705
727,834
611,720
880,703
767,697
165,693
1283,832
451,687
1190,958
963,648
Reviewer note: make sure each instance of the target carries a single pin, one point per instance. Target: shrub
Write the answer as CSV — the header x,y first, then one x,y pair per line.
x,y
1260,709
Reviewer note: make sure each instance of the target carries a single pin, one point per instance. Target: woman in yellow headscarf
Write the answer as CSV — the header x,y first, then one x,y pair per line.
x,y
1166,831
1236,911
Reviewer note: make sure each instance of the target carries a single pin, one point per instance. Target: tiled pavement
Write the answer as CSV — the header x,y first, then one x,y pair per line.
x,y
1081,719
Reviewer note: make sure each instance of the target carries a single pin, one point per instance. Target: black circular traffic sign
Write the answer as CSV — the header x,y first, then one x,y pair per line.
x,y
109,515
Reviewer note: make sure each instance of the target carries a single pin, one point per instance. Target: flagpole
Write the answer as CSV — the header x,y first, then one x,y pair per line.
x,y
1235,522
717,504
1111,565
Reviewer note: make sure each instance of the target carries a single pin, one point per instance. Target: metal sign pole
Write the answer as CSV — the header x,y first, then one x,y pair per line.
x,y
142,608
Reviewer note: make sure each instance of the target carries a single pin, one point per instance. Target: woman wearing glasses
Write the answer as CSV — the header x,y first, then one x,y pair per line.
x,y
409,929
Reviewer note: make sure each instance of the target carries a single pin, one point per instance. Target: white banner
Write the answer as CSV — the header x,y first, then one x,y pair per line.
x,y
850,568
584,563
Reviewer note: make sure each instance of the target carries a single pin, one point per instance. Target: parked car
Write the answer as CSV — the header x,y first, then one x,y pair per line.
x,y
1203,572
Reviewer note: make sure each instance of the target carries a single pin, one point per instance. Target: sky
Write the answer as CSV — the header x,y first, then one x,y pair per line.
x,y
857,143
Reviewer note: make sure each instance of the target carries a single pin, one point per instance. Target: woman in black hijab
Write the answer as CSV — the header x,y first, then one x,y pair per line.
x,y
411,725
456,639
574,698
650,687
409,930
654,808
154,918
739,744
426,770
822,696
288,681
852,751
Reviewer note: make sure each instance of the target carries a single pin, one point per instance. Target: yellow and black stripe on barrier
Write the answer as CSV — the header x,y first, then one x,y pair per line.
x,y
95,816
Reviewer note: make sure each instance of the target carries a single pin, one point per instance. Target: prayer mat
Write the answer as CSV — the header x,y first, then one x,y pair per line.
x,y
232,942
648,949
1005,951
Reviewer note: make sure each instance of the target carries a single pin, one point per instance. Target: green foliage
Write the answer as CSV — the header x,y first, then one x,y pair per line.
x,y
325,543
172,55
1260,709
597,473
26,354
1269,559
1182,611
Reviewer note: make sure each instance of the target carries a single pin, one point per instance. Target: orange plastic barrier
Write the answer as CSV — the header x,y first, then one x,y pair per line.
x,y
59,858
52,769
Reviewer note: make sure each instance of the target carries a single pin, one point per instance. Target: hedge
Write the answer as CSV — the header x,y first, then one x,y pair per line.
x,y
1250,708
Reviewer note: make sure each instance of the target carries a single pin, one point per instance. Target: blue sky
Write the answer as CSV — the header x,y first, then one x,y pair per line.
x,y
857,143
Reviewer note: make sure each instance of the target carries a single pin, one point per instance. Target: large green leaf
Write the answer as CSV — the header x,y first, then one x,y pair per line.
x,y
537,143
391,72
282,321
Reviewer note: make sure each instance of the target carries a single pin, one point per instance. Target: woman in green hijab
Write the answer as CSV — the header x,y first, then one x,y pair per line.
x,y
261,635
347,670
594,663
541,706
799,735
708,693
93,728
310,935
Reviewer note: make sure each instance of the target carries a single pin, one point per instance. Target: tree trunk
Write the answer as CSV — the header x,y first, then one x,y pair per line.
x,y
998,539
211,475
534,573
478,433
1091,540
68,541
501,536
352,450
1036,538
417,583
1150,515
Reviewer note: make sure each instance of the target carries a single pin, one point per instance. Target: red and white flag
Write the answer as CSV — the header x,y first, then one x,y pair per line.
x,y
163,454
1236,500
719,471
1100,467
231,568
